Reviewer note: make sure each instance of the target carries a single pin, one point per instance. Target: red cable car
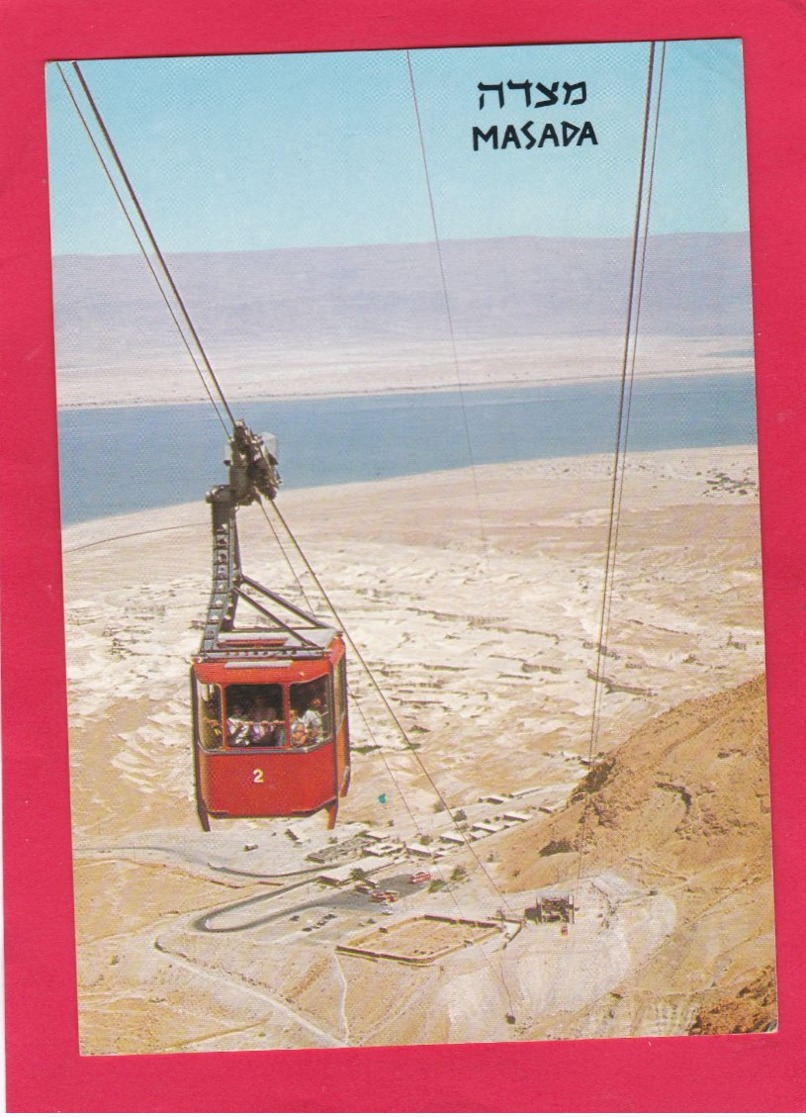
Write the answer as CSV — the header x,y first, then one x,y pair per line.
x,y
270,726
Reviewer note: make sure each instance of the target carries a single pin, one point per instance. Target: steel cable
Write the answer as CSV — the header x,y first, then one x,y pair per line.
x,y
635,289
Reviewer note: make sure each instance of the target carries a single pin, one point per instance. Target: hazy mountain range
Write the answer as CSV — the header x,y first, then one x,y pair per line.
x,y
695,285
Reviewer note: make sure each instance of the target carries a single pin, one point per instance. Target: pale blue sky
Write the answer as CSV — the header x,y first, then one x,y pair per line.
x,y
266,151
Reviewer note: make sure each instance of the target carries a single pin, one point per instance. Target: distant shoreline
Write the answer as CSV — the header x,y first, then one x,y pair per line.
x,y
245,395
189,514
128,457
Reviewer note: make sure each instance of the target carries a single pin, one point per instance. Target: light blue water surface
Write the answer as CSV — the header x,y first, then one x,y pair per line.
x,y
126,459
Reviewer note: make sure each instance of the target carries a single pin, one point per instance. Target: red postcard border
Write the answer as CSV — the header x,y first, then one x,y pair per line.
x,y
44,1070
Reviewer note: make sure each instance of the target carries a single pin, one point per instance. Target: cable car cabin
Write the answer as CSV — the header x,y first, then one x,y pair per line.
x,y
270,734
270,724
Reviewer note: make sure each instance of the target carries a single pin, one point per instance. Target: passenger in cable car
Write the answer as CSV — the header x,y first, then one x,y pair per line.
x,y
312,720
299,730
266,728
238,726
252,718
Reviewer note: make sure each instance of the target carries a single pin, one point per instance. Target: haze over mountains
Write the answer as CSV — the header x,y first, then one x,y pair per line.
x,y
386,302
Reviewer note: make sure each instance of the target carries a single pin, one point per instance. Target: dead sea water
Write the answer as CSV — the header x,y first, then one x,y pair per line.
x,y
125,459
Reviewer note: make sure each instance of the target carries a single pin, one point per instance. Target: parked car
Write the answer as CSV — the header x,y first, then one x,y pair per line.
x,y
420,877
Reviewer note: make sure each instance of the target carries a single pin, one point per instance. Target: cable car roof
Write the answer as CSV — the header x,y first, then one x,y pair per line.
x,y
243,647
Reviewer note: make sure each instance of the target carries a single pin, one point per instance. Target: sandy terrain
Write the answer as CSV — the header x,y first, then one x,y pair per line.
x,y
474,598
254,373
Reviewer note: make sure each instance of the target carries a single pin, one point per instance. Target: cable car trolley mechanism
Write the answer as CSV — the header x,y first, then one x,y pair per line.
x,y
270,726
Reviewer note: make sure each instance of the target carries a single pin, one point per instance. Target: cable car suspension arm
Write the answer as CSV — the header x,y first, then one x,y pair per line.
x,y
253,475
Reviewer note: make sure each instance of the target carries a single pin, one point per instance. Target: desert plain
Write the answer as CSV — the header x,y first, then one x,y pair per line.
x,y
474,600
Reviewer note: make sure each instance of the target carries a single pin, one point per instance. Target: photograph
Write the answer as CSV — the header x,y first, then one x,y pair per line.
x,y
416,688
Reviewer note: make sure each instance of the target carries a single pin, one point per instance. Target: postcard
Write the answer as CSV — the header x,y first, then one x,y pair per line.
x,y
475,748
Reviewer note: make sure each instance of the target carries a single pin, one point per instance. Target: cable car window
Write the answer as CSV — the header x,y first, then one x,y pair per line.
x,y
254,716
310,715
208,715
